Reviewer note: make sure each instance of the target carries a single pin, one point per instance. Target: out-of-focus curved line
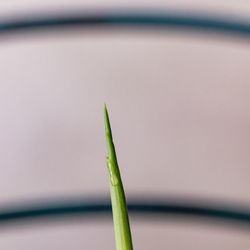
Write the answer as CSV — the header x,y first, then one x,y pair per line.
x,y
197,22
149,208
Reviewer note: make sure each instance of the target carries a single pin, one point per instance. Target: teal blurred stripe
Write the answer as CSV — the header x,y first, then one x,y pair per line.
x,y
197,22
145,209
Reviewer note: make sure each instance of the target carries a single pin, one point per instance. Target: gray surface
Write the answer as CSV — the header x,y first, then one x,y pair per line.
x,y
179,107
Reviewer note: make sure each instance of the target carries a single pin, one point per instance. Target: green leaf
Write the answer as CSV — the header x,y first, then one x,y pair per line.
x,y
119,207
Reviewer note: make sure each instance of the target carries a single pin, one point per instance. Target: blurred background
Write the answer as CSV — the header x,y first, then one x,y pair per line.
x,y
179,106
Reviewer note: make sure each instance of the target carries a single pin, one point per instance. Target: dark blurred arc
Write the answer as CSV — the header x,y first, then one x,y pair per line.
x,y
144,209
209,23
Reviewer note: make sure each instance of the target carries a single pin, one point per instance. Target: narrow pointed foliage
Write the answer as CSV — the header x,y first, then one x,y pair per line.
x,y
119,207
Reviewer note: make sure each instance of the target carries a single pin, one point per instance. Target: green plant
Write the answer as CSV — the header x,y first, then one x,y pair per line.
x,y
119,207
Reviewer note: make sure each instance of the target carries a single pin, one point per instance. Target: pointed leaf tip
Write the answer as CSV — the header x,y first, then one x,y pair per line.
x,y
118,198
105,107
107,124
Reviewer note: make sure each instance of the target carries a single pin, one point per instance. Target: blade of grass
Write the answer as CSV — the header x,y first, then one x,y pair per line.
x,y
119,207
